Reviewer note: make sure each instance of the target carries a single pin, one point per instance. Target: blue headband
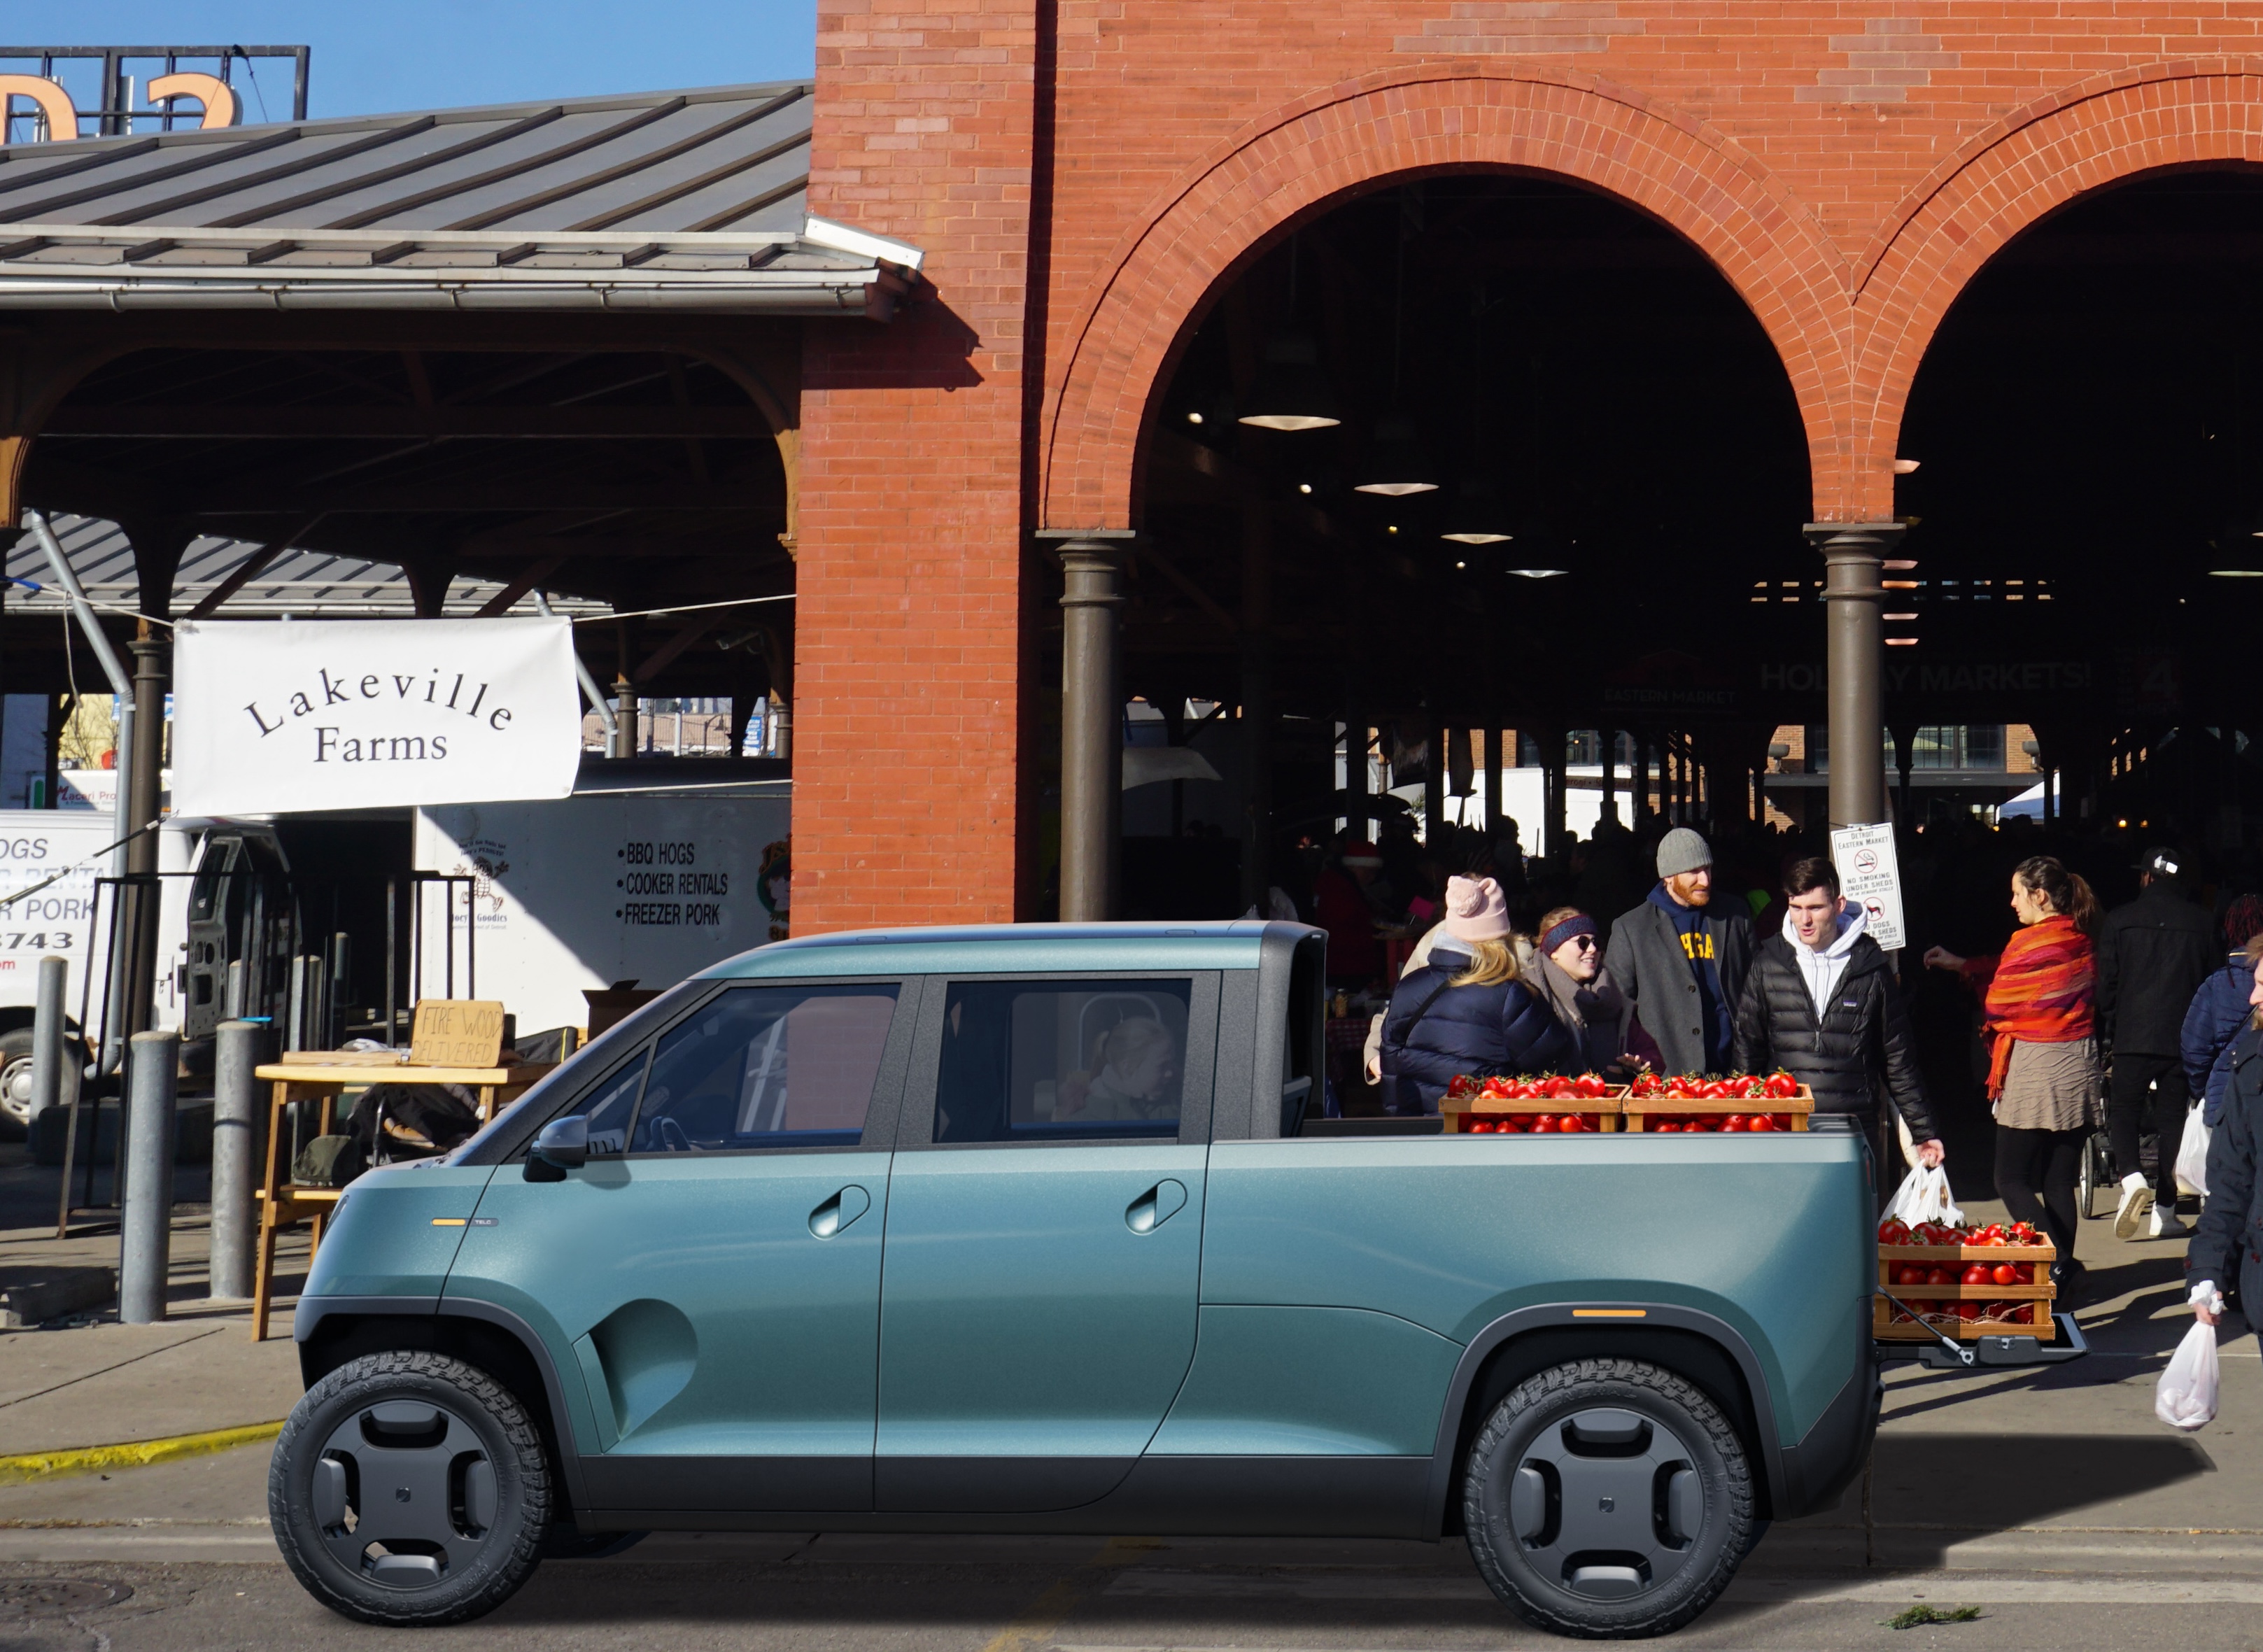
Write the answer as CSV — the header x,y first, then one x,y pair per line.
x,y
1571,927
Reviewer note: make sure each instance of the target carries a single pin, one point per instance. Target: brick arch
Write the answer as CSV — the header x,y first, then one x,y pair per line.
x,y
1447,116
2007,180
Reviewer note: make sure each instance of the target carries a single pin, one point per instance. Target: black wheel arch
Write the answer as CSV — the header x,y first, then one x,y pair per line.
x,y
330,1330
1702,1348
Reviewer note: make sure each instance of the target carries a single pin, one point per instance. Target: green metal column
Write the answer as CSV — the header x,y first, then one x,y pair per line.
x,y
1853,557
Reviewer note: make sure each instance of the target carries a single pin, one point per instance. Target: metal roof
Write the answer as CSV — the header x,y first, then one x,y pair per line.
x,y
681,200
307,584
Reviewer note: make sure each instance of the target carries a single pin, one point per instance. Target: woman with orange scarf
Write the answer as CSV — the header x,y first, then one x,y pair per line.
x,y
2041,1001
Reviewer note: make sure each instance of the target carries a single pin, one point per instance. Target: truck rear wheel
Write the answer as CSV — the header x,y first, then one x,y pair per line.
x,y
410,1489
1607,1499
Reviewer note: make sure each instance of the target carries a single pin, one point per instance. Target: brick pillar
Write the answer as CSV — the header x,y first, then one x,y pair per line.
x,y
912,681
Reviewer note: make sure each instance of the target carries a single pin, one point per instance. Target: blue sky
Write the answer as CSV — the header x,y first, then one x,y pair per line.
x,y
375,55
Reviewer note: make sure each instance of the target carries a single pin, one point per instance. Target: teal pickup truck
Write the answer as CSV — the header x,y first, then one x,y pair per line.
x,y
1037,1230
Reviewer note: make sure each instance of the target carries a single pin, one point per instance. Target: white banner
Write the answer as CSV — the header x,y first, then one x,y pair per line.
x,y
1871,877
279,715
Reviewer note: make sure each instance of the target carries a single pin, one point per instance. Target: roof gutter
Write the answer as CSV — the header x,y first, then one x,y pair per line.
x,y
870,294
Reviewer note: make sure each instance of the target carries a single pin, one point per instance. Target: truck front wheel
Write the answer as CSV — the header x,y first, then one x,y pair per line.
x,y
409,1489
1607,1499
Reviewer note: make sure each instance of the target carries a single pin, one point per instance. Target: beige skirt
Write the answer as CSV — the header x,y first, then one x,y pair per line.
x,y
2050,1086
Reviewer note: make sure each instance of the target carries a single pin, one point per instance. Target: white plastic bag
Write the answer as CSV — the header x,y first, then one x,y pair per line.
x,y
2192,1155
2186,1396
1923,1196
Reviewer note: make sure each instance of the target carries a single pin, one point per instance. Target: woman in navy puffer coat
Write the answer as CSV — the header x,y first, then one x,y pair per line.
x,y
2219,1010
1470,1014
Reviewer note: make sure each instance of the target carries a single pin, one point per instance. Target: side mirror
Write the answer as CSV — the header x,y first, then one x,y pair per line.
x,y
563,1145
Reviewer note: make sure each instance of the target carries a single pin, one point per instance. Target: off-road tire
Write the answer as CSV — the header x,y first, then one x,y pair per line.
x,y
1528,1429
483,1420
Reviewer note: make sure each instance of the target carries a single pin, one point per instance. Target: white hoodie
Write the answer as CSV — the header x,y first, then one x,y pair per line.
x,y
1823,970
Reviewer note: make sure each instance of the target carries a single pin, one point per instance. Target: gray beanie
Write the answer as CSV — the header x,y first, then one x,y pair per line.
x,y
1681,850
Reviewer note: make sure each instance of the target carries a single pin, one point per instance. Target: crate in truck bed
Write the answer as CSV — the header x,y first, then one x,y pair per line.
x,y
1460,1113
1647,1113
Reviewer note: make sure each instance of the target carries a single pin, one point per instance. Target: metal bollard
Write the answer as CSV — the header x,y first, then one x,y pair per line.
x,y
235,1123
47,1086
145,1235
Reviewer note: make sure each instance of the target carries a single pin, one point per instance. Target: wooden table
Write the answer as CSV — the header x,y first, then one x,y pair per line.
x,y
324,1076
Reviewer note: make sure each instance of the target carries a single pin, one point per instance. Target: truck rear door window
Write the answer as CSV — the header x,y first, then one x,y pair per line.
x,y
766,1066
1062,1061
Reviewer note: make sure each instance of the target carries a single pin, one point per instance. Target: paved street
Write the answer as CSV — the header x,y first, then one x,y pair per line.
x,y
2054,1503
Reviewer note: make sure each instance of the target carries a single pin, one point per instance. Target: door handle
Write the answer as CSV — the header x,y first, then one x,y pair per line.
x,y
1155,1207
839,1211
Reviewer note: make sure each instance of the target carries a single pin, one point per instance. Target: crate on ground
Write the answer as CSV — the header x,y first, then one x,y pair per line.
x,y
2026,1303
1648,1114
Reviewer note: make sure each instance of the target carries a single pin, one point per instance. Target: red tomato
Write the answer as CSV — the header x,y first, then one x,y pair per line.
x,y
1462,1088
1543,1122
1572,1124
1910,1274
1939,1276
1968,1310
2003,1273
1978,1275
1893,1231
1783,1086
1665,1126
1734,1122
1714,1090
1511,1127
1760,1122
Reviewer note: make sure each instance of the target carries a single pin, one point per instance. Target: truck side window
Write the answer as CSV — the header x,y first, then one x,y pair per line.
x,y
1061,1061
613,1103
767,1066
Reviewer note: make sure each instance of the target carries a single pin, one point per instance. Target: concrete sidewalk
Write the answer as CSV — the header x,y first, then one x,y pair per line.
x,y
88,1381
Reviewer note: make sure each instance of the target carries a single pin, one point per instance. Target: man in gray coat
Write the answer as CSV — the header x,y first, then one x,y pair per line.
x,y
1681,961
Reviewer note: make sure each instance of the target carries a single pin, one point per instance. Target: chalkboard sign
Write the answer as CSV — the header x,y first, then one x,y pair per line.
x,y
456,1032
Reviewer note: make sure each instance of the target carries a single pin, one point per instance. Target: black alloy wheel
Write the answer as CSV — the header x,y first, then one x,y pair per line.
x,y
1607,1499
409,1490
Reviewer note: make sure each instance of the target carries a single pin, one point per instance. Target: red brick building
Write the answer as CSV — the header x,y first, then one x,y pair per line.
x,y
1086,176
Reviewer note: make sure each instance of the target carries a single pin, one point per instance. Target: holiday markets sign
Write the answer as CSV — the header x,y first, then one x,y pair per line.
x,y
271,717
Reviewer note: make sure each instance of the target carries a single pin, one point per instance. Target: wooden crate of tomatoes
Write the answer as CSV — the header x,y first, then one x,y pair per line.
x,y
1550,1105
1968,1282
1692,1102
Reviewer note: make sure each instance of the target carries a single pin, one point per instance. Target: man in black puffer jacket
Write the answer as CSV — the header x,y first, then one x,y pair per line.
x,y
1820,1002
2152,956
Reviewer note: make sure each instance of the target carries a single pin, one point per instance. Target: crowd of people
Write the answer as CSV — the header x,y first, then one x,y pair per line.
x,y
1633,952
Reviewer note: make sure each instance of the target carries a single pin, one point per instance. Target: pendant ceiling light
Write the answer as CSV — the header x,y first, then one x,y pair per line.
x,y
1478,517
1395,465
1292,393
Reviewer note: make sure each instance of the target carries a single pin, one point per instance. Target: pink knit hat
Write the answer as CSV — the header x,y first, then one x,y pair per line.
x,y
1476,910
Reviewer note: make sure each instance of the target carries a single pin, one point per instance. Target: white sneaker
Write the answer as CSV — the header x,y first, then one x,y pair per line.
x,y
2166,1224
2136,1204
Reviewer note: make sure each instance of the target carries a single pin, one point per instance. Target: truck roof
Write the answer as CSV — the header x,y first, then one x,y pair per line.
x,y
1011,948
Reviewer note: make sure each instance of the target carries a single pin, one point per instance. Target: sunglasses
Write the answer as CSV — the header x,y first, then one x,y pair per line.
x,y
1586,944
